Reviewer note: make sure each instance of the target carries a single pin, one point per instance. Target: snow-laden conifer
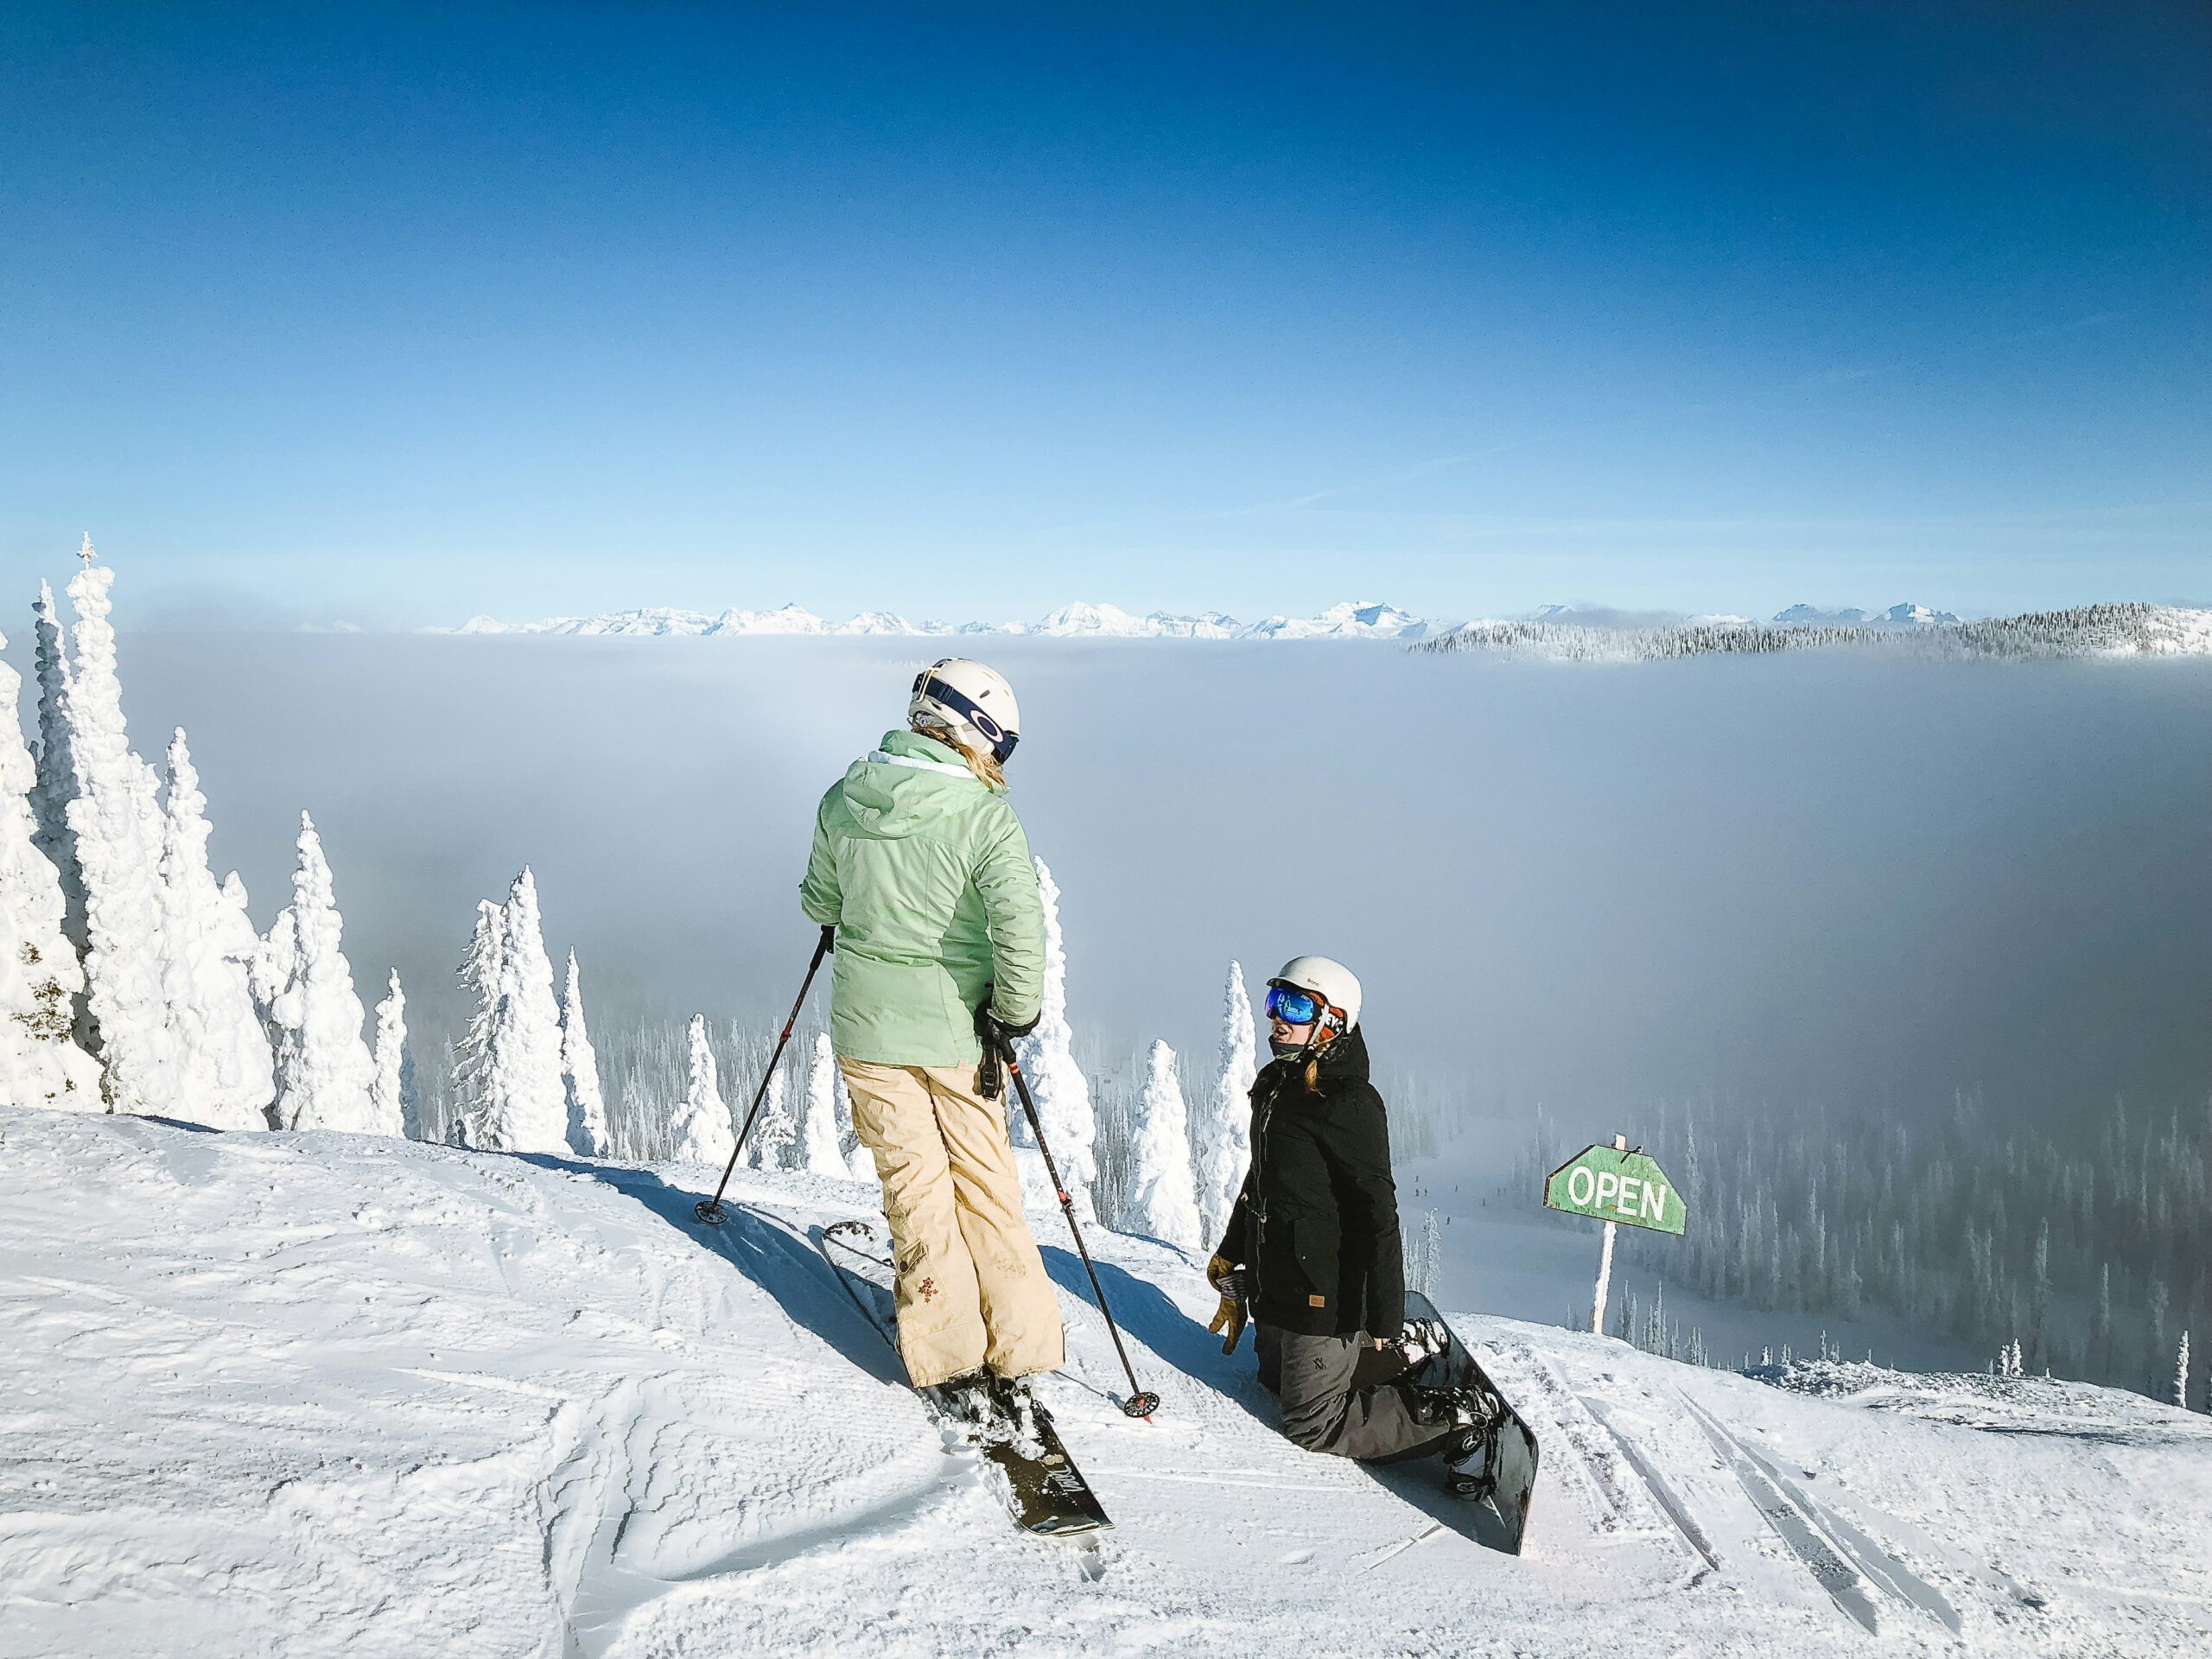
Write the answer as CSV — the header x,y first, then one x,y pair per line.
x,y
1164,1203
588,1131
508,1085
114,819
533,1034
2181,1374
479,1104
57,784
819,1148
1223,1139
773,1143
701,1131
40,977
1056,1082
323,1066
224,1070
394,1105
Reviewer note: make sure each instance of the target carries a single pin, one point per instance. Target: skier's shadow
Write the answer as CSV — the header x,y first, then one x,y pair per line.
x,y
785,1265
1145,1312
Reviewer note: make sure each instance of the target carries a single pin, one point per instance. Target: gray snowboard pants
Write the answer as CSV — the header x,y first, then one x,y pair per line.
x,y
1322,1411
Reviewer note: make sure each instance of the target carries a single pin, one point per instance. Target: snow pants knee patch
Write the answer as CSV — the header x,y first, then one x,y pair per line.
x,y
1311,1377
971,1288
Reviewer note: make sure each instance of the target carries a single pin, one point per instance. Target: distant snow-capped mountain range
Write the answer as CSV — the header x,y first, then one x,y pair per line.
x,y
1351,620
1346,621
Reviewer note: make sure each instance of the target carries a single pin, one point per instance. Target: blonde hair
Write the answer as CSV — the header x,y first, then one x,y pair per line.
x,y
986,766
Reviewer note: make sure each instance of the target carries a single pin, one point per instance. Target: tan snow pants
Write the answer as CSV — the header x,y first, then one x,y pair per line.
x,y
971,1286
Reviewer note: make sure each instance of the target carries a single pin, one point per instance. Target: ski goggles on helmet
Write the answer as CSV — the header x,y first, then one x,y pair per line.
x,y
926,684
1293,1007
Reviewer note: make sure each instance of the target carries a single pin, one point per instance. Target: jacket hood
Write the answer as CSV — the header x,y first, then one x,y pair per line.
x,y
906,783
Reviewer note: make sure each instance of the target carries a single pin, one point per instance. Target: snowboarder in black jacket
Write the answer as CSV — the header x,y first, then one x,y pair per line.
x,y
1311,1248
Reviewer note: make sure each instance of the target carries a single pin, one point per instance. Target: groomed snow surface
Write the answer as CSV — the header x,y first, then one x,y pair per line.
x,y
315,1393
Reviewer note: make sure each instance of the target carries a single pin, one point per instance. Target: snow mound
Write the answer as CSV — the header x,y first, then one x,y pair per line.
x,y
319,1392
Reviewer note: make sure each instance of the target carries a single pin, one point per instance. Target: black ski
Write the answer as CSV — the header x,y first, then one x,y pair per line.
x,y
1513,1461
1047,1494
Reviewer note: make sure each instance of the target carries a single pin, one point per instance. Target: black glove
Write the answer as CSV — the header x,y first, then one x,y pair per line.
x,y
993,1030
991,1076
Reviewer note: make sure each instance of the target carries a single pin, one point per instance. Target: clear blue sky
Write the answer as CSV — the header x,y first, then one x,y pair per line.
x,y
399,313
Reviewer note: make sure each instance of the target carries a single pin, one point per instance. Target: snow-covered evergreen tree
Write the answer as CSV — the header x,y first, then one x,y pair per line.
x,y
509,1086
1163,1201
773,1143
820,1150
224,1070
1224,1139
2181,1374
588,1131
479,1106
1056,1082
115,820
702,1132
56,784
40,1063
393,1107
535,1033
1425,1256
323,1066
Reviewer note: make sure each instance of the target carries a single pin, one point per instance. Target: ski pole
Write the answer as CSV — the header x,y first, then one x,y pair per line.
x,y
1140,1403
710,1210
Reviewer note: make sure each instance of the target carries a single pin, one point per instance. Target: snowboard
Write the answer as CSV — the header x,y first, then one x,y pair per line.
x,y
1513,1458
1046,1492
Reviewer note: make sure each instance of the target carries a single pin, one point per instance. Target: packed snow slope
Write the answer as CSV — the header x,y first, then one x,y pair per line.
x,y
315,1393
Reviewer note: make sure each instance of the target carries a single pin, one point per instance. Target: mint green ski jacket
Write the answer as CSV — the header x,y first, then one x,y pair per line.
x,y
924,871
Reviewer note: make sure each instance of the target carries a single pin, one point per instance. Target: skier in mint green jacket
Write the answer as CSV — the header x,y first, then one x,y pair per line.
x,y
923,870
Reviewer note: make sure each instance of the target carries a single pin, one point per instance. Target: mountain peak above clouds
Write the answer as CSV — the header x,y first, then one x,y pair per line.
x,y
1081,620
1898,616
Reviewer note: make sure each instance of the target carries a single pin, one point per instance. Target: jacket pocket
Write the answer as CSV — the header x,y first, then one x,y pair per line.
x,y
1300,1269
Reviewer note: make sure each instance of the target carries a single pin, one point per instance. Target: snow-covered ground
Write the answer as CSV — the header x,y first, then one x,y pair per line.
x,y
318,1393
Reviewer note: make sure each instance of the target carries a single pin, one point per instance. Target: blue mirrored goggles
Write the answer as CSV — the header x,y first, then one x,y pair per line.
x,y
967,708
1292,1005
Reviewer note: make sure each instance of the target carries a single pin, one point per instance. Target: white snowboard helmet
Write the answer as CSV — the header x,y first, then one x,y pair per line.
x,y
1335,985
974,700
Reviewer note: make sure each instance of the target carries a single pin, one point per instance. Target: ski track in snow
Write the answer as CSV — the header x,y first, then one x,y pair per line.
x,y
322,1394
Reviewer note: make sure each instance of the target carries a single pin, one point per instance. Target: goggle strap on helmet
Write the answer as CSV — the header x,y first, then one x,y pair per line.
x,y
926,684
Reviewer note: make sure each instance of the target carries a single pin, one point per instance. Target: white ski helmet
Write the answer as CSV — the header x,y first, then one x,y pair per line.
x,y
975,701
1335,984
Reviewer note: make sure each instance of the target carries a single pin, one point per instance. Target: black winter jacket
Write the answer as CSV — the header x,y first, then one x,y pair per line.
x,y
1317,1221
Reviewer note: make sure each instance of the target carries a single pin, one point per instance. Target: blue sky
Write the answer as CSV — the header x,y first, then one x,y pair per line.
x,y
396,314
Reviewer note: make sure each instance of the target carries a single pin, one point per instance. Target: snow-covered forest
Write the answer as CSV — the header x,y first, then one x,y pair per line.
x,y
139,980
2085,1255
139,984
2122,630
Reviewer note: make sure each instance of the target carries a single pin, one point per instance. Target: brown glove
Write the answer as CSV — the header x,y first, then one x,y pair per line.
x,y
1235,1285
